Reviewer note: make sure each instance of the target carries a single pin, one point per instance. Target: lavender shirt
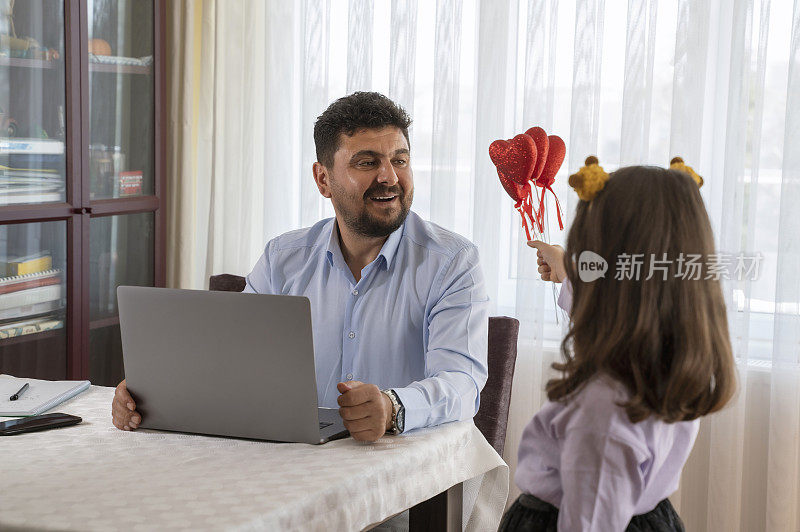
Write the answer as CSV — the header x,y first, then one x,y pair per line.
x,y
586,457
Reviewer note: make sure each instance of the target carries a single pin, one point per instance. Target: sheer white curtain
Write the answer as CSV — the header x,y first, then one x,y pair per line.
x,y
716,82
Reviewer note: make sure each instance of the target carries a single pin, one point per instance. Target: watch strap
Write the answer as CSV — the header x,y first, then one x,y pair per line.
x,y
397,411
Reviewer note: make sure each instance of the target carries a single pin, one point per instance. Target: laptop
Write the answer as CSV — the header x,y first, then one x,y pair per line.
x,y
223,363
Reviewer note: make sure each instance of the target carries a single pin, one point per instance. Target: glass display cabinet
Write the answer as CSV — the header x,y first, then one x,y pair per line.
x,y
81,179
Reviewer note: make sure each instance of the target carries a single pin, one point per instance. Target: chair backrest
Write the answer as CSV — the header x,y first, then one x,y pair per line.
x,y
492,417
226,282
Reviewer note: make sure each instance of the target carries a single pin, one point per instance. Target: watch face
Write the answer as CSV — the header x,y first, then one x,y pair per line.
x,y
401,420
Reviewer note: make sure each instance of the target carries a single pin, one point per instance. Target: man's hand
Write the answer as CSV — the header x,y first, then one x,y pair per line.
x,y
550,260
123,409
366,412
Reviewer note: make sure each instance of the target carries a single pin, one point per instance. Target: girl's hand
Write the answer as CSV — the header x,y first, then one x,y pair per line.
x,y
550,260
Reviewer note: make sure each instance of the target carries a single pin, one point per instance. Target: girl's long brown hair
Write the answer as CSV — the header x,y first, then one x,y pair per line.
x,y
667,340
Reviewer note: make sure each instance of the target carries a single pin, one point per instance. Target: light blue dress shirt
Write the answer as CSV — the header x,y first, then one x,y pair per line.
x,y
416,321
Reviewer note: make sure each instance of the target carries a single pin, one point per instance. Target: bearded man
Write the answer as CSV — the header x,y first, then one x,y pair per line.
x,y
398,305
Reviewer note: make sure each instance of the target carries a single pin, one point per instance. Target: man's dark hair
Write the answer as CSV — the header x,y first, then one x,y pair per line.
x,y
360,110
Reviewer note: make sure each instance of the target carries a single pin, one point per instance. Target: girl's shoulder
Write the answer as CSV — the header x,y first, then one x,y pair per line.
x,y
597,394
597,407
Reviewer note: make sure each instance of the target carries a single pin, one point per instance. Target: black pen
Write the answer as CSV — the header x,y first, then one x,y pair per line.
x,y
16,395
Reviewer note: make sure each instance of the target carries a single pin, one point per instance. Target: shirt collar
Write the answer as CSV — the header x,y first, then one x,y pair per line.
x,y
333,251
388,251
392,244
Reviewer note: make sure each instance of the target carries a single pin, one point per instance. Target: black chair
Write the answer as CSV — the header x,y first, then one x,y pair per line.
x,y
226,283
492,416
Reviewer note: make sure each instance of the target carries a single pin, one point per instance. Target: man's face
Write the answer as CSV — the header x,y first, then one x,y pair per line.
x,y
371,184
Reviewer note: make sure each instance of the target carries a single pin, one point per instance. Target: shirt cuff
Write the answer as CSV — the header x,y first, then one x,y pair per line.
x,y
417,409
565,296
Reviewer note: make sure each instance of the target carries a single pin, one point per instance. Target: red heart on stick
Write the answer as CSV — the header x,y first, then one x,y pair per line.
x,y
540,140
515,159
555,156
517,192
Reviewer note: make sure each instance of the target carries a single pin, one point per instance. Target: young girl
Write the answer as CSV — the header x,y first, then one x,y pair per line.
x,y
647,353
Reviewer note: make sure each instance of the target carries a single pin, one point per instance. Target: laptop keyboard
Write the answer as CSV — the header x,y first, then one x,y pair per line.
x,y
322,425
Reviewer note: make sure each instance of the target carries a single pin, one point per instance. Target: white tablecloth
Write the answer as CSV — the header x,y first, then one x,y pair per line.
x,y
93,476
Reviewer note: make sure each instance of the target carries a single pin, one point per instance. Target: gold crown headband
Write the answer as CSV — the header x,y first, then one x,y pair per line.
x,y
591,178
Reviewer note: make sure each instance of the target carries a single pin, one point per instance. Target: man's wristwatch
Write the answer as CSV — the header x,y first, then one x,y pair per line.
x,y
398,412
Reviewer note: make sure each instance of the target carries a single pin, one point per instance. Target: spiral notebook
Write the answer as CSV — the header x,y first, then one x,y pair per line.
x,y
40,396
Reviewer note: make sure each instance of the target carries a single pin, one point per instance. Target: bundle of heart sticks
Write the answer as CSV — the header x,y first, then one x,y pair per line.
x,y
527,166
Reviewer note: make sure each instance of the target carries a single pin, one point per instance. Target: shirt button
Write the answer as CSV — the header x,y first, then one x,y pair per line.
x,y
355,292
351,335
349,376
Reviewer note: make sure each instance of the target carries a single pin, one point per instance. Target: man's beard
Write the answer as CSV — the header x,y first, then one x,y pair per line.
x,y
365,224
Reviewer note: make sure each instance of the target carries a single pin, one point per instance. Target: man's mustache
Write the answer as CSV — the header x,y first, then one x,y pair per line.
x,y
382,192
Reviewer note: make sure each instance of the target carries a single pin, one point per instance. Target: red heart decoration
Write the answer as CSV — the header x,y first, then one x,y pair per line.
x,y
515,159
555,156
540,140
531,156
517,192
